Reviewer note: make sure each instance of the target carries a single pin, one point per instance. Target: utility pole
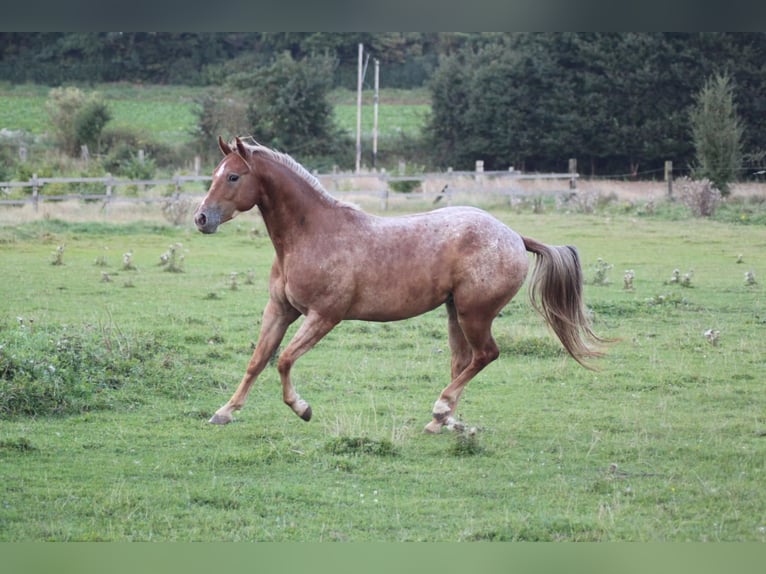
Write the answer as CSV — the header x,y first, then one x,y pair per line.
x,y
359,111
375,114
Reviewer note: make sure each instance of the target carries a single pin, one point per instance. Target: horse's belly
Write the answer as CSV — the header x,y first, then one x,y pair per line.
x,y
397,298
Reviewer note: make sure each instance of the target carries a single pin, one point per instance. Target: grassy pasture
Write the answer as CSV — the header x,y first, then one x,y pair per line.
x,y
167,112
667,442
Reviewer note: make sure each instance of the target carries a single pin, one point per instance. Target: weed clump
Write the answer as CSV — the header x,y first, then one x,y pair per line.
x,y
127,261
361,445
601,272
57,257
712,336
627,279
466,443
173,259
62,371
677,279
701,197
21,444
177,209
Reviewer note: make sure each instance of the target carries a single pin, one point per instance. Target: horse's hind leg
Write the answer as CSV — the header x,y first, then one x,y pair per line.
x,y
459,347
473,348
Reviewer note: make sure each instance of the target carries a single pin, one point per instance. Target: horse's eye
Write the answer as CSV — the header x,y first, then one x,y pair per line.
x,y
233,177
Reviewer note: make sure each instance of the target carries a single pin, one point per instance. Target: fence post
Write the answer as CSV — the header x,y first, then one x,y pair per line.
x,y
109,186
669,177
35,191
573,173
479,177
384,193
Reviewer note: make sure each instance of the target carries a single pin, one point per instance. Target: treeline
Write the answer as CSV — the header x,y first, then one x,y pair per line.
x,y
620,103
203,58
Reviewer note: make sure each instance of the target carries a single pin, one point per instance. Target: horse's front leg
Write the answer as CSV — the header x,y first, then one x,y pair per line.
x,y
309,334
276,320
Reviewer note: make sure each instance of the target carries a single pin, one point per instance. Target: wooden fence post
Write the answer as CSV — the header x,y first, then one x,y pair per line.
x,y
35,191
669,177
384,193
573,172
479,177
109,187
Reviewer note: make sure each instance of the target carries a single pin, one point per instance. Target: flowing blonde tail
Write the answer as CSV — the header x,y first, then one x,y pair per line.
x,y
555,291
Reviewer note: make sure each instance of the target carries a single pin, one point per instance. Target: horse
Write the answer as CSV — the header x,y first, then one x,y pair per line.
x,y
335,262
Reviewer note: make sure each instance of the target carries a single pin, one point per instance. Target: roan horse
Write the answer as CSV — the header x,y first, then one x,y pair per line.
x,y
335,262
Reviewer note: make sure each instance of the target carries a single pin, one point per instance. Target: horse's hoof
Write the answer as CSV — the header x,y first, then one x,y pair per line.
x,y
434,427
217,419
306,415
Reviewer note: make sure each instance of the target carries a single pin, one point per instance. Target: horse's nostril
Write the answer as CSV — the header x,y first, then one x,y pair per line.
x,y
201,219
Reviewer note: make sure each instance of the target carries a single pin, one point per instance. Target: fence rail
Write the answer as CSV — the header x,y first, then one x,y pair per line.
x,y
375,184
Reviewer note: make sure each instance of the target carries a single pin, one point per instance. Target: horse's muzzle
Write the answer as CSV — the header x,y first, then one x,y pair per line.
x,y
207,220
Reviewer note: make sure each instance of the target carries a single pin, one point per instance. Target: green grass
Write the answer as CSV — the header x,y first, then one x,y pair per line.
x,y
166,112
400,112
666,442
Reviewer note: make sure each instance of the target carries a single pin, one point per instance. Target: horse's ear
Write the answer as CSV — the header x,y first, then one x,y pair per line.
x,y
225,148
244,153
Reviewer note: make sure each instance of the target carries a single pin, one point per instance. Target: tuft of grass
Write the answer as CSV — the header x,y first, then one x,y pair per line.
x,y
21,444
466,443
345,445
60,370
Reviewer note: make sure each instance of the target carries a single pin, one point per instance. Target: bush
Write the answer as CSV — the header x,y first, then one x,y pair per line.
x,y
218,115
702,197
77,118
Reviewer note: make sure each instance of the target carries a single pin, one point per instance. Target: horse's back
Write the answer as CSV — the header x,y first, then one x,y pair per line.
x,y
413,263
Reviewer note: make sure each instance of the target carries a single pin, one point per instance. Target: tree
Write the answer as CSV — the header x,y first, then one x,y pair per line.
x,y
77,118
289,109
717,133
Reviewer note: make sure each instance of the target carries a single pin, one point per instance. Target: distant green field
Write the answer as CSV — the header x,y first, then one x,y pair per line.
x,y
106,386
166,112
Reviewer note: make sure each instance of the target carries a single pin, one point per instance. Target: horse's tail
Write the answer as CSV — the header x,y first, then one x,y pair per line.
x,y
555,291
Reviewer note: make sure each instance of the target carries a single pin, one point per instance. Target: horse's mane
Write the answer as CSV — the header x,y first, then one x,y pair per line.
x,y
287,161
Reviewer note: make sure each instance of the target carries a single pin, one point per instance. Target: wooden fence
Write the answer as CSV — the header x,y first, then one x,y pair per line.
x,y
442,185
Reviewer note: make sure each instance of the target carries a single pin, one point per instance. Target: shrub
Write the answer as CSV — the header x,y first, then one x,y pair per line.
x,y
177,210
77,118
702,197
124,161
218,114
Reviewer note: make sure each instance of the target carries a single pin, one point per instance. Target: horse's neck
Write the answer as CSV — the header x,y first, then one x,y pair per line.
x,y
292,208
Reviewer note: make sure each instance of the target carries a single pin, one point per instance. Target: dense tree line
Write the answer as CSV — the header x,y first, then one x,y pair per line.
x,y
202,58
621,103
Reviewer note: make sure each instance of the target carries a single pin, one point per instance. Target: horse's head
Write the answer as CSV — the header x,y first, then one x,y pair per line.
x,y
234,188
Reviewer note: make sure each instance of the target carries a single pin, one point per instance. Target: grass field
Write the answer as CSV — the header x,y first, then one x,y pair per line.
x,y
167,112
105,389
